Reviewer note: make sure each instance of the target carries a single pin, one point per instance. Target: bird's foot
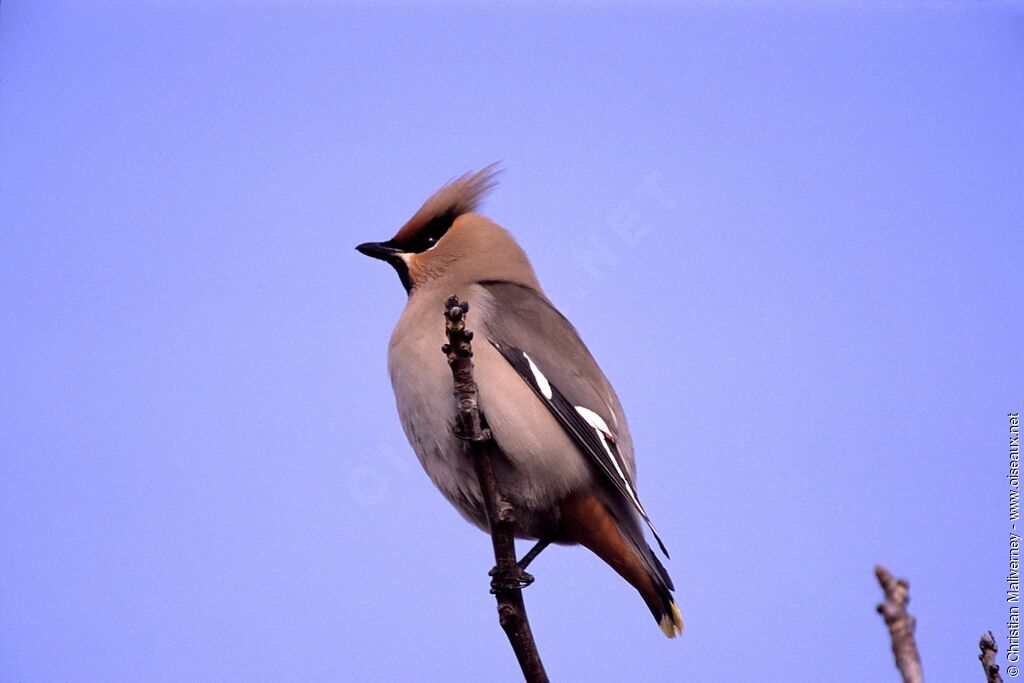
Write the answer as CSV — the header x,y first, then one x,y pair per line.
x,y
515,580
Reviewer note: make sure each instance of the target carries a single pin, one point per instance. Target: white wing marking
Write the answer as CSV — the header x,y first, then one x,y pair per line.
x,y
538,376
604,434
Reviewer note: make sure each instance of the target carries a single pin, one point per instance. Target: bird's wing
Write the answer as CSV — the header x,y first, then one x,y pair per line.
x,y
565,377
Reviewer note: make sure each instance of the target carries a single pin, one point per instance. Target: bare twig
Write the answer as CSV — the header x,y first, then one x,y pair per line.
x,y
988,658
901,625
500,514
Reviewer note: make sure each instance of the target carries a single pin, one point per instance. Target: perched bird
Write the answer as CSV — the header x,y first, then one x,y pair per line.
x,y
567,464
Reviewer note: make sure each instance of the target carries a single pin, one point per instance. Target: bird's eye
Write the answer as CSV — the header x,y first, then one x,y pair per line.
x,y
429,235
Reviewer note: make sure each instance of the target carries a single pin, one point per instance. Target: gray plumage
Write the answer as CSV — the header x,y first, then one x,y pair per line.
x,y
544,465
448,249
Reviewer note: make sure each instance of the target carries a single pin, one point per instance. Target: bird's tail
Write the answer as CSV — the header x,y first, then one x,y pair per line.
x,y
658,592
616,537
652,581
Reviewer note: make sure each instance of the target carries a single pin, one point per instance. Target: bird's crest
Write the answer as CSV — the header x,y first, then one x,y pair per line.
x,y
459,196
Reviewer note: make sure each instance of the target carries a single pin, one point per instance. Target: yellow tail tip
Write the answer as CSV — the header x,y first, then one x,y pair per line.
x,y
672,624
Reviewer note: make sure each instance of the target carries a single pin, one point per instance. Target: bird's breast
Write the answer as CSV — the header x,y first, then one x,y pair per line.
x,y
542,464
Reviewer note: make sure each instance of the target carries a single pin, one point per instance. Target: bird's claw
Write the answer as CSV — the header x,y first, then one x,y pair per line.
x,y
515,582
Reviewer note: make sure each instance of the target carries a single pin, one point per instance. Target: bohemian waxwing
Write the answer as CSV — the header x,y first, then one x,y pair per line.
x,y
568,463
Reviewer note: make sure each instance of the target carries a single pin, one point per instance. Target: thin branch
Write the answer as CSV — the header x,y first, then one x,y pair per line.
x,y
901,625
501,518
988,658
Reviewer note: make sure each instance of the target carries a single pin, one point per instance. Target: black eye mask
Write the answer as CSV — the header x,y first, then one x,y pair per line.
x,y
429,235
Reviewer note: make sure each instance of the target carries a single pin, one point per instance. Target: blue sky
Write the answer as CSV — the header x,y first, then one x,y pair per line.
x,y
790,234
